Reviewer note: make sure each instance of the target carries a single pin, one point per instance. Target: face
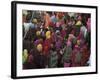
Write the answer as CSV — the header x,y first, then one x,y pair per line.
x,y
52,45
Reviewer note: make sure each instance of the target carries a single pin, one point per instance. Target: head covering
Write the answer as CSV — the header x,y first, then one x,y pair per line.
x,y
39,47
34,20
36,42
78,23
48,34
38,33
25,55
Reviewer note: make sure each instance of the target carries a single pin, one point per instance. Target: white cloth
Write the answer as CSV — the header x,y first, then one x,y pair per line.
x,y
26,28
84,30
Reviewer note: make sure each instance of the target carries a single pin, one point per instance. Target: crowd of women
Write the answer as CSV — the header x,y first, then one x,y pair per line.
x,y
55,39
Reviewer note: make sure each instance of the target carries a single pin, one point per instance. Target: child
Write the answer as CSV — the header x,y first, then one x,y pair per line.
x,y
53,57
66,58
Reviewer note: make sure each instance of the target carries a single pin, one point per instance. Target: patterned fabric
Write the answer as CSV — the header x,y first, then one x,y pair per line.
x,y
67,55
53,59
